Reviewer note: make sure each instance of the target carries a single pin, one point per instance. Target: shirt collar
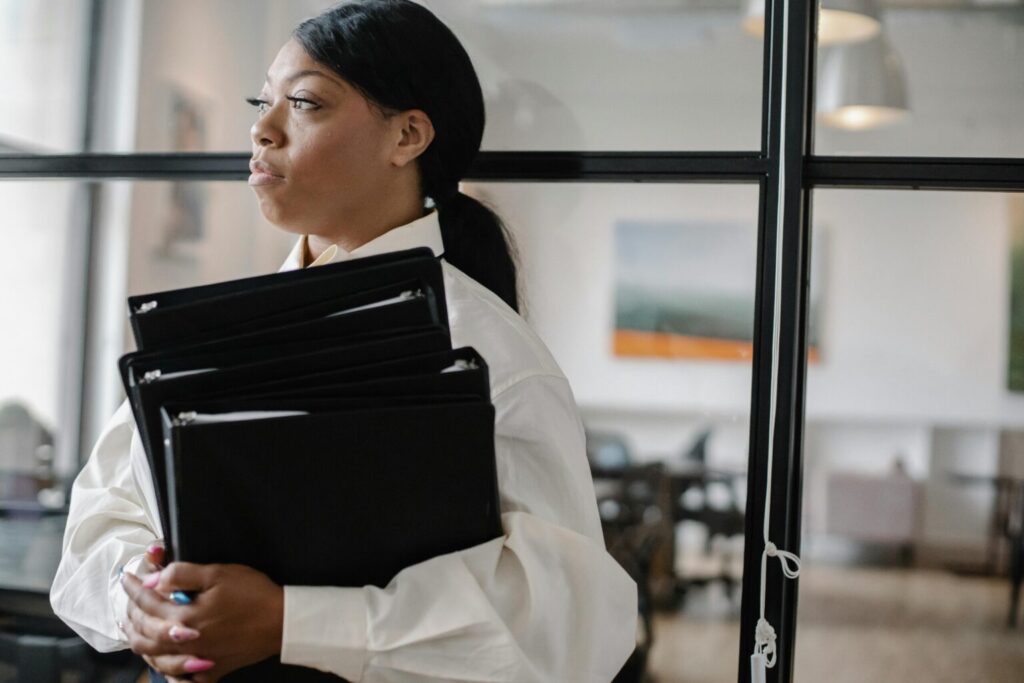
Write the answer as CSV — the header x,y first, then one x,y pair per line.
x,y
422,232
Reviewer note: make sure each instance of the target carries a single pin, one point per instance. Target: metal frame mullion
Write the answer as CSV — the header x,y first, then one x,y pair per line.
x,y
936,173
784,215
712,167
913,173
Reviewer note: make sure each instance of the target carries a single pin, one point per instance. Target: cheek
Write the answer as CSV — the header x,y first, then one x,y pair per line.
x,y
338,162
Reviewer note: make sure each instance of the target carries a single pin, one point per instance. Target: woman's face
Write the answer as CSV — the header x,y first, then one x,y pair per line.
x,y
328,151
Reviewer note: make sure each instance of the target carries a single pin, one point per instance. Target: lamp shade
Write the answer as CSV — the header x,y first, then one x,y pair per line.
x,y
839,21
861,85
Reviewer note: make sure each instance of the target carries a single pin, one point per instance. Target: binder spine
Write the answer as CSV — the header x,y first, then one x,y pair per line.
x,y
172,450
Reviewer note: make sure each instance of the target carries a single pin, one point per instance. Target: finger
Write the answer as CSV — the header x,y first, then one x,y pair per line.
x,y
151,635
184,576
169,637
181,666
138,642
155,554
148,600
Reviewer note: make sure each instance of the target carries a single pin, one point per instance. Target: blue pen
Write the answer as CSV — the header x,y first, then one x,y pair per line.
x,y
181,597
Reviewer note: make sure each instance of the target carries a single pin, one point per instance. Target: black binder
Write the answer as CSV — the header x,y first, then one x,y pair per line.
x,y
193,314
392,485
356,476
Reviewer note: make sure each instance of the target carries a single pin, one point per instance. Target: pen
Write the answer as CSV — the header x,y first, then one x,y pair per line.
x,y
182,597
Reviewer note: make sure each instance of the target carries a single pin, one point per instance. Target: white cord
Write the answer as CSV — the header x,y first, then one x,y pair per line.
x,y
764,634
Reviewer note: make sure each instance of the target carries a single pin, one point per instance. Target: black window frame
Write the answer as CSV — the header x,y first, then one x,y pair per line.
x,y
785,170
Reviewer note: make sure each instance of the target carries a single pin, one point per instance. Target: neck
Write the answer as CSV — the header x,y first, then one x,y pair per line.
x,y
357,230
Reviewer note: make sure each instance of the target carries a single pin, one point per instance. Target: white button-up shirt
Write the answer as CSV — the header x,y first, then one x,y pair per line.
x,y
543,602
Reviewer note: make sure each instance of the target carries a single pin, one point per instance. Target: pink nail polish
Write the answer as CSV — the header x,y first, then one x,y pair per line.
x,y
182,633
151,580
196,665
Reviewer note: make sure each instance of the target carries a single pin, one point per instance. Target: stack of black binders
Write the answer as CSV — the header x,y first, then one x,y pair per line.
x,y
314,424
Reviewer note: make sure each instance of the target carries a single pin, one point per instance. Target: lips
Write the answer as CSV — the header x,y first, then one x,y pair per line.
x,y
258,166
263,174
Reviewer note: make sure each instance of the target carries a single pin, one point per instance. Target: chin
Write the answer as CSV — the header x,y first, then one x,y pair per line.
x,y
281,220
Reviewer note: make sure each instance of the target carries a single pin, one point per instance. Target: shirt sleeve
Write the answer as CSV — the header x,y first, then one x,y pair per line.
x,y
110,524
543,602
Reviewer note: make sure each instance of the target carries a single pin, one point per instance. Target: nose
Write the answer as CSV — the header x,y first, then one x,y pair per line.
x,y
265,132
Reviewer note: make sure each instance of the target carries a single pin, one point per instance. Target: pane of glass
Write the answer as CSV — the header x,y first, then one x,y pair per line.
x,y
149,236
43,75
645,296
914,461
556,76
935,80
41,304
38,231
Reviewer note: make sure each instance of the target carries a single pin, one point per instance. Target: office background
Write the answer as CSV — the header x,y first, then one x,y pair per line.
x,y
909,435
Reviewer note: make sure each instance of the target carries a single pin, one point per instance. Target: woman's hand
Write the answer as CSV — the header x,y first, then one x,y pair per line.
x,y
150,632
236,614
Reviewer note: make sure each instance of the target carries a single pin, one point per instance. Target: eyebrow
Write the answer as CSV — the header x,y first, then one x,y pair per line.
x,y
305,72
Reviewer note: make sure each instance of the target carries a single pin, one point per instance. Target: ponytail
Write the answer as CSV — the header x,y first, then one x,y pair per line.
x,y
477,242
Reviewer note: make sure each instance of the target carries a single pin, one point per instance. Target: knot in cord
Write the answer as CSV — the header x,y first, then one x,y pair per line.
x,y
789,561
764,641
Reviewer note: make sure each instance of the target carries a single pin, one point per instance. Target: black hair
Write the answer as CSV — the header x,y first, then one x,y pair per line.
x,y
400,56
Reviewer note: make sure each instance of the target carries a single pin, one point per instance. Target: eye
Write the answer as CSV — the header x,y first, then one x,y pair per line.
x,y
302,100
261,105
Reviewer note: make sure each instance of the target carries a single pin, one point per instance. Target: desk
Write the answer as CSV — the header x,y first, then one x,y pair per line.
x,y
29,553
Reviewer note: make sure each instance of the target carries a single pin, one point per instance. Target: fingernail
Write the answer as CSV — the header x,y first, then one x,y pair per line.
x,y
182,633
154,548
196,665
151,580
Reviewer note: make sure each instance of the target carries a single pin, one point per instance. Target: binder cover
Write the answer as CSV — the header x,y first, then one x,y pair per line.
x,y
186,315
334,496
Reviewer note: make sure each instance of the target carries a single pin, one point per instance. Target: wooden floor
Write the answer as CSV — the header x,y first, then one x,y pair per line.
x,y
859,626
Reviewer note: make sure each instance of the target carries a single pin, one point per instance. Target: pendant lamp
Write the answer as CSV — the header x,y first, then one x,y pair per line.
x,y
839,21
861,85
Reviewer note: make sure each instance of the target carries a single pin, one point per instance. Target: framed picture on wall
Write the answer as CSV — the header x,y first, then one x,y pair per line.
x,y
685,290
184,226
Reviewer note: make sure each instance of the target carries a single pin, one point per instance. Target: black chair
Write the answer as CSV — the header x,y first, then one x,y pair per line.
x,y
694,489
633,522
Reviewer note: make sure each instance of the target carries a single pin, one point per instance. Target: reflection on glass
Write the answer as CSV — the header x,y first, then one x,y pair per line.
x,y
839,21
38,325
42,77
914,456
909,92
644,294
862,86
556,76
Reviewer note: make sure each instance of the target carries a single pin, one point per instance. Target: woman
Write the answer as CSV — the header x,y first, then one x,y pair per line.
x,y
370,116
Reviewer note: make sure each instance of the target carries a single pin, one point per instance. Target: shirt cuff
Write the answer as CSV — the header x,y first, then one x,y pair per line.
x,y
325,628
118,596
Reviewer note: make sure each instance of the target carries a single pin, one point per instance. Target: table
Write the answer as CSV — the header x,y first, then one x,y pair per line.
x,y
658,487
1007,521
